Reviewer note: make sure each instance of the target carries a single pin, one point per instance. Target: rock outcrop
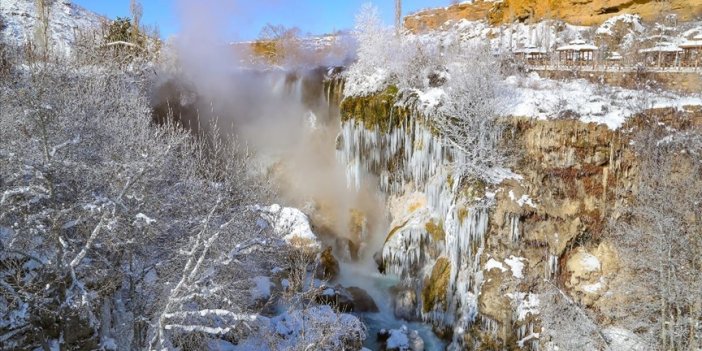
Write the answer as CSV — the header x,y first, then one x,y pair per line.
x,y
580,12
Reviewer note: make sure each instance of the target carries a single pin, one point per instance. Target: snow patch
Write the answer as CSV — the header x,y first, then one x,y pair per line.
x,y
262,288
589,262
524,200
516,265
492,263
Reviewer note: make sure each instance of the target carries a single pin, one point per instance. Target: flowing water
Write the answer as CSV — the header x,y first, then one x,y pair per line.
x,y
357,190
364,275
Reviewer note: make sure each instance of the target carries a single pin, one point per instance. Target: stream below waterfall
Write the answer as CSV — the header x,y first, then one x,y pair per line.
x,y
365,275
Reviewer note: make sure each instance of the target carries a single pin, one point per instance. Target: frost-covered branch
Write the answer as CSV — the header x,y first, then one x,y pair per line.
x,y
121,43
88,245
58,147
31,190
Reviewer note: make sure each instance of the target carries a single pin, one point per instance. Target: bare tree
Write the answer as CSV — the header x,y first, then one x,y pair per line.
x,y
137,11
281,44
658,236
41,28
398,17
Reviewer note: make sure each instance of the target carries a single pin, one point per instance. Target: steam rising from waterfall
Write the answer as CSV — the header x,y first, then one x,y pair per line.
x,y
284,117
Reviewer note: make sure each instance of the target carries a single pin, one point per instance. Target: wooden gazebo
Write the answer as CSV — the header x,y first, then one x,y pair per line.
x,y
577,52
662,55
532,55
614,59
692,52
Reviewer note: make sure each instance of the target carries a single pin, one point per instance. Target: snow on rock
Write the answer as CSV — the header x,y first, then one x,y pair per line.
x,y
144,218
109,344
524,200
404,339
362,85
588,262
586,276
516,265
309,326
492,264
65,19
430,99
261,289
527,304
623,339
608,27
291,224
593,288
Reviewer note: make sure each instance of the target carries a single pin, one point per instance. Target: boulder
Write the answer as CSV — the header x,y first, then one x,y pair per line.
x,y
585,279
291,224
328,267
405,304
351,299
403,339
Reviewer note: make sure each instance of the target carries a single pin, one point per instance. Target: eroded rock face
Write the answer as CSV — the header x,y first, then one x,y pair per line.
x,y
580,12
480,253
328,268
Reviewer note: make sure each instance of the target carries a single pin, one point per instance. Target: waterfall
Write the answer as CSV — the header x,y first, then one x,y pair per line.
x,y
409,157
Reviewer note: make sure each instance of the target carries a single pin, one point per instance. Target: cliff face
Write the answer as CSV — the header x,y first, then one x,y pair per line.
x,y
580,12
482,253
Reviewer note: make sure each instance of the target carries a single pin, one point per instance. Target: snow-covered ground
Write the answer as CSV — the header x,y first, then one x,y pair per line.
x,y
65,20
536,97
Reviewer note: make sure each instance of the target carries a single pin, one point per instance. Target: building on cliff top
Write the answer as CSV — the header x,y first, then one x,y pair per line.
x,y
663,54
577,52
532,55
692,52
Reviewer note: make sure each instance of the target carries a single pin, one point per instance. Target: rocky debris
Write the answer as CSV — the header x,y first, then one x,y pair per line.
x,y
402,339
347,299
328,267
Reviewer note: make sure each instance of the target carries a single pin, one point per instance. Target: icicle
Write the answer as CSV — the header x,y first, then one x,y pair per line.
x,y
514,233
404,251
552,268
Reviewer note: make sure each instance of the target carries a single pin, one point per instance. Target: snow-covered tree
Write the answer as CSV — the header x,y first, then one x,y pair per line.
x,y
377,50
468,120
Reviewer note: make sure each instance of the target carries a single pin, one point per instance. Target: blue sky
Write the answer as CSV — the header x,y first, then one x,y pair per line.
x,y
313,16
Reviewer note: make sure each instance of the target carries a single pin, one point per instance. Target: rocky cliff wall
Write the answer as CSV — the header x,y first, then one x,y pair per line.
x,y
476,258
580,12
